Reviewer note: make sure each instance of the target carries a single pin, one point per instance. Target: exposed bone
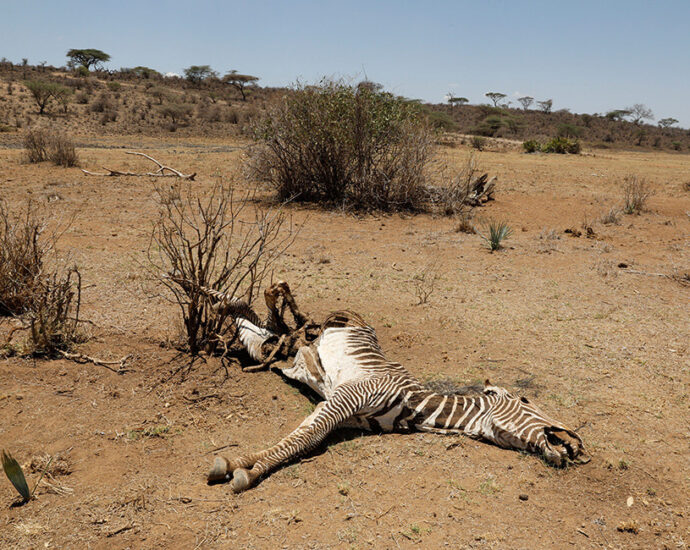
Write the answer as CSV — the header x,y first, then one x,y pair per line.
x,y
81,358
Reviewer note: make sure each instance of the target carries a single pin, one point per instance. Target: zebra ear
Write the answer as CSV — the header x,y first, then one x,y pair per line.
x,y
487,383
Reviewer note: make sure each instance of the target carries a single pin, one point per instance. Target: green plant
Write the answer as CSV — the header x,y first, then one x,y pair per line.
x,y
87,58
114,86
569,130
440,120
43,92
478,143
240,81
490,125
562,145
337,144
495,232
531,146
15,474
177,113
677,145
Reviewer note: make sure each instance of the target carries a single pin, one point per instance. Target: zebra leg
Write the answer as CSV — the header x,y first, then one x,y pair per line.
x,y
345,402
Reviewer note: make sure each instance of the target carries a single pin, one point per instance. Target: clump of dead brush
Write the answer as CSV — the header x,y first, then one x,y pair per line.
x,y
44,300
41,144
467,190
21,257
218,240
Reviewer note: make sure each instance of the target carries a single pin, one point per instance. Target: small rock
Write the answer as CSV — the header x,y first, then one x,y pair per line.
x,y
523,496
630,501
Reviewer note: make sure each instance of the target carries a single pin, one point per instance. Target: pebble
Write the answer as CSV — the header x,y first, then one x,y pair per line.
x,y
523,497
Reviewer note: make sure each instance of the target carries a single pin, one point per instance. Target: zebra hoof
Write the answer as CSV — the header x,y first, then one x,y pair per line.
x,y
240,480
219,471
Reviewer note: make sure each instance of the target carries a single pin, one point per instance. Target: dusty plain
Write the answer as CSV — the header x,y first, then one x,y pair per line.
x,y
603,348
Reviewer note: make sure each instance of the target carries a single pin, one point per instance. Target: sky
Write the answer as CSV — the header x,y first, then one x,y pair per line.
x,y
588,56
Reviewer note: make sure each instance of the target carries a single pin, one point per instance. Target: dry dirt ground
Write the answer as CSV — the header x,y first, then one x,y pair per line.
x,y
603,348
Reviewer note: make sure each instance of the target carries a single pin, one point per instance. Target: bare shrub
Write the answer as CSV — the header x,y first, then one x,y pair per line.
x,y
21,258
42,144
636,191
219,241
337,145
424,283
36,145
46,300
102,103
54,313
62,151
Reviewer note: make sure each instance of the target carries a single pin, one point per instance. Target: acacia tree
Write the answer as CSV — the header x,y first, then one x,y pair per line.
x,y
526,101
240,81
667,122
640,112
545,106
87,58
43,92
618,114
457,100
196,74
495,97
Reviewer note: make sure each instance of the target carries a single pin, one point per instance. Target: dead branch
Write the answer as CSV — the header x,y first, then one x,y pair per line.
x,y
160,173
82,358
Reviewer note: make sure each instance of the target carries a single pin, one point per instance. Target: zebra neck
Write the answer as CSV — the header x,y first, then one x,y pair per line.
x,y
448,413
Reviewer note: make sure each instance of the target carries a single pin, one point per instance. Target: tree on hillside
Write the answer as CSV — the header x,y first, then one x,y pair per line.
x,y
241,81
370,85
87,58
545,106
640,112
495,97
196,74
618,114
453,101
145,72
667,122
526,101
43,92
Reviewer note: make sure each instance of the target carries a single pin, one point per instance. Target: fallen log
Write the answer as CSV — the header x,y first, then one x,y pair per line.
x,y
160,173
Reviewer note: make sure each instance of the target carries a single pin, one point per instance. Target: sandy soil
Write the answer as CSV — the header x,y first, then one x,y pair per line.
x,y
601,347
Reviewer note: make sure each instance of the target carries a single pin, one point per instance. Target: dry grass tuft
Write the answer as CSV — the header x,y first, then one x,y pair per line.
x,y
636,191
612,217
